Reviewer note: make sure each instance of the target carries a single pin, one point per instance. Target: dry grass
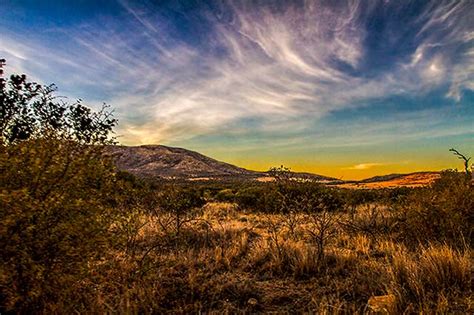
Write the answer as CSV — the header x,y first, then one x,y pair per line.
x,y
428,278
227,261
236,263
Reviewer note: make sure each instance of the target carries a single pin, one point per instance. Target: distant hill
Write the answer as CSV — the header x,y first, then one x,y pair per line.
x,y
159,161
417,179
390,177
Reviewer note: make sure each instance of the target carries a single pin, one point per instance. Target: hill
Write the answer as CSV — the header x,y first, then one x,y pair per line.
x,y
417,179
159,161
168,162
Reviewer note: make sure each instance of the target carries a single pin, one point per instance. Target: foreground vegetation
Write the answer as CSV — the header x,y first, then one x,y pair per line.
x,y
169,256
78,236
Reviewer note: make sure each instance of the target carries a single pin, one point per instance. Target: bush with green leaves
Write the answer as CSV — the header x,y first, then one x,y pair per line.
x,y
442,212
176,207
58,195
289,196
225,195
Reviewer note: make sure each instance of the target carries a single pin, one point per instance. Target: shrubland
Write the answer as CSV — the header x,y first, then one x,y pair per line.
x,y
78,236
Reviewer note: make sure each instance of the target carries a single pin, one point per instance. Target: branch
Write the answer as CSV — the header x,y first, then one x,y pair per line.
x,y
462,157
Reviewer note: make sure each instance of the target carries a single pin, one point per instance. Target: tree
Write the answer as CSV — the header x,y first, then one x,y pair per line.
x,y
176,207
321,229
32,111
465,160
58,195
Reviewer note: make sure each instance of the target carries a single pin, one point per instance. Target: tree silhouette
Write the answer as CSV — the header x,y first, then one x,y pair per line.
x,y
462,157
29,110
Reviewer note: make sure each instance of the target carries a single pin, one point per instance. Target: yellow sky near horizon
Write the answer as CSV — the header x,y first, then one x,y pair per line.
x,y
350,166
357,171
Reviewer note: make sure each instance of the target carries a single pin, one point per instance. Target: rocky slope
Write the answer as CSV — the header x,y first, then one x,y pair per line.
x,y
163,161
159,161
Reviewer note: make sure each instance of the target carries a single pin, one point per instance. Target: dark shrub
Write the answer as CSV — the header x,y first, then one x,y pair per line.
x,y
57,194
443,212
288,197
179,204
225,195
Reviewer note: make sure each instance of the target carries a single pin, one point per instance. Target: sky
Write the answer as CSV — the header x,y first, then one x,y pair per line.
x,y
349,89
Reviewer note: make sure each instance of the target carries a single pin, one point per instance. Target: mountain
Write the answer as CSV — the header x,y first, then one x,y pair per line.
x,y
163,161
159,161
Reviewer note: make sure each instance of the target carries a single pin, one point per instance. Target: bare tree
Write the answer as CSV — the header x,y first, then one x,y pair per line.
x,y
291,220
462,157
273,229
322,227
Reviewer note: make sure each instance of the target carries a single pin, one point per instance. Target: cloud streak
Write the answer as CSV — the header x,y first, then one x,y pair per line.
x,y
364,166
277,65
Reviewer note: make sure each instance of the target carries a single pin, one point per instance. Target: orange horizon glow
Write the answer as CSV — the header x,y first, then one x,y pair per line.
x,y
345,173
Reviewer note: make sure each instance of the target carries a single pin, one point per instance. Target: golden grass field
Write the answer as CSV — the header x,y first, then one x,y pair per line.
x,y
228,261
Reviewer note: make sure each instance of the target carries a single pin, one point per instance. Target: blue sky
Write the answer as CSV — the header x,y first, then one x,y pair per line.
x,y
343,88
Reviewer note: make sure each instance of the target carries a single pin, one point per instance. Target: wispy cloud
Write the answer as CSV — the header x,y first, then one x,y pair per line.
x,y
364,166
282,66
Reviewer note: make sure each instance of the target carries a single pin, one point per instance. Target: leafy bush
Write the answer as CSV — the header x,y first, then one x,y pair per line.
x,y
58,196
288,197
225,195
179,205
250,197
56,211
442,212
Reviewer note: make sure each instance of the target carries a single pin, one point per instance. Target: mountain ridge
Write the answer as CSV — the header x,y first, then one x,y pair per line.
x,y
162,161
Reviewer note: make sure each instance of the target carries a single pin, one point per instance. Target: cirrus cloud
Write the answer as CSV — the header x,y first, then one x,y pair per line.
x,y
175,73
